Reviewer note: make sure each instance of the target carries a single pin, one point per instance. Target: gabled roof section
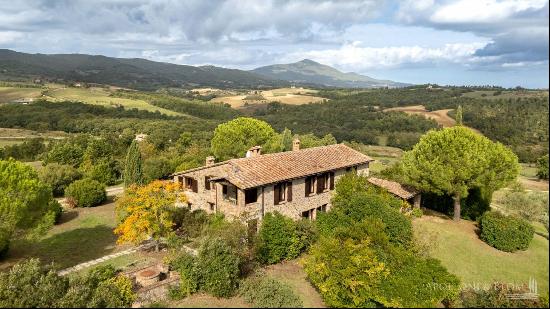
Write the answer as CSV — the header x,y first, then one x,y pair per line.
x,y
272,168
395,188
266,169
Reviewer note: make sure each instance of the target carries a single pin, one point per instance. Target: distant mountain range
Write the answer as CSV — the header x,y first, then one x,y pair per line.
x,y
150,75
309,71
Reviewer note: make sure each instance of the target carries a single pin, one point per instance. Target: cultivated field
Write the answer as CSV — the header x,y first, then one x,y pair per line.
x,y
16,136
295,96
440,116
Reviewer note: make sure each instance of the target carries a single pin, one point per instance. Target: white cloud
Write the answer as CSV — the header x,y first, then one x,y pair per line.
x,y
8,37
354,57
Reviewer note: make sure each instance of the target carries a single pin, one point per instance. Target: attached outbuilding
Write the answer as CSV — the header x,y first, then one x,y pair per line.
x,y
404,192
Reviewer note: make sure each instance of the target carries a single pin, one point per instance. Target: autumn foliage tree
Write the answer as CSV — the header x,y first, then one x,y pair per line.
x,y
454,160
144,212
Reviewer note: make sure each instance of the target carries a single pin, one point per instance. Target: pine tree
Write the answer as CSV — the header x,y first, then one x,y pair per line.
x,y
459,115
133,170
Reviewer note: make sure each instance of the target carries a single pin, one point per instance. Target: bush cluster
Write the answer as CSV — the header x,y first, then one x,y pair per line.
x,y
215,270
280,238
28,285
86,192
266,292
506,233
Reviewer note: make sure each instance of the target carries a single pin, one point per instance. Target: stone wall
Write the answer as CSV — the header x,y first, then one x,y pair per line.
x,y
213,200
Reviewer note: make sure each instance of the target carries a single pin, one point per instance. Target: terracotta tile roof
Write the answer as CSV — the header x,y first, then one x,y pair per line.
x,y
402,191
272,168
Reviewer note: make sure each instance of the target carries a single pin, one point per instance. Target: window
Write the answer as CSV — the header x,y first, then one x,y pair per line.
x,y
224,189
207,182
322,208
191,184
212,207
282,192
251,196
310,185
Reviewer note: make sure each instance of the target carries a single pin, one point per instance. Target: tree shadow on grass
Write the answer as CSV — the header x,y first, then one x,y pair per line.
x,y
67,216
68,248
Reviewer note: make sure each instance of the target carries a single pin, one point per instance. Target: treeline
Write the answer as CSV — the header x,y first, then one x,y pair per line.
x,y
74,117
351,118
520,123
195,108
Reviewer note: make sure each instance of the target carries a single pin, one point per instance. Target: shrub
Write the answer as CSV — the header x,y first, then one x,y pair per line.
x,y
59,176
417,212
280,238
55,209
185,265
266,292
116,292
358,266
86,192
498,296
368,203
28,285
104,171
542,167
506,233
218,268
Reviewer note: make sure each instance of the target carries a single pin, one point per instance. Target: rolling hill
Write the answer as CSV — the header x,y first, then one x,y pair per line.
x,y
311,72
131,73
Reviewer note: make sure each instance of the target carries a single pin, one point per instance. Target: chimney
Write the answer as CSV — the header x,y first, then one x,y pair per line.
x,y
254,151
295,144
210,160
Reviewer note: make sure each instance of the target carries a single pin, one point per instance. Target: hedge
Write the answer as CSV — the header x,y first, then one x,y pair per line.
x,y
86,192
506,233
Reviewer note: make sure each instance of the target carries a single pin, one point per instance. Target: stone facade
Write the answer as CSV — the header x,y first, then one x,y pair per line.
x,y
231,200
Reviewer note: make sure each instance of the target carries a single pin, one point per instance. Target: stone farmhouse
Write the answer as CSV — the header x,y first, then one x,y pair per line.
x,y
297,183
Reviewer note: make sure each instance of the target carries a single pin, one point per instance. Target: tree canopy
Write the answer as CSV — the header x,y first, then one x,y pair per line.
x,y
454,160
232,139
133,168
144,212
24,199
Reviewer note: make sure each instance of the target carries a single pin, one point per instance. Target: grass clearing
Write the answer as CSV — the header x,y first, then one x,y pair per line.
x,y
10,94
476,263
440,116
292,273
83,234
100,96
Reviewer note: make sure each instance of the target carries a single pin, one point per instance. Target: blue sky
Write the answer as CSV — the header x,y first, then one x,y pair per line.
x,y
460,42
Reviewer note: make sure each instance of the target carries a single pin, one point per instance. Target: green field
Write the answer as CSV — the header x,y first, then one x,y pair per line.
x,y
100,96
9,94
476,263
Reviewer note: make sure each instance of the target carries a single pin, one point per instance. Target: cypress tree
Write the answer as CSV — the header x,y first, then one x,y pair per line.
x,y
133,170
459,115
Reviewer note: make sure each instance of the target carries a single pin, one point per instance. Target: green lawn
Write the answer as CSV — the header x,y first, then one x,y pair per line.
x,y
476,263
84,234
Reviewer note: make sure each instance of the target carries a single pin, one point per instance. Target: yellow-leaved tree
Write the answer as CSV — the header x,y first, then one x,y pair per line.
x,y
146,212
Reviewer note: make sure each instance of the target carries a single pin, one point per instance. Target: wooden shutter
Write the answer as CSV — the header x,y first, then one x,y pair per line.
x,y
207,182
308,186
195,185
289,191
276,190
331,177
320,184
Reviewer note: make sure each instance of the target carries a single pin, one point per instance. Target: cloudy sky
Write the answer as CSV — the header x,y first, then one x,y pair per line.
x,y
449,41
